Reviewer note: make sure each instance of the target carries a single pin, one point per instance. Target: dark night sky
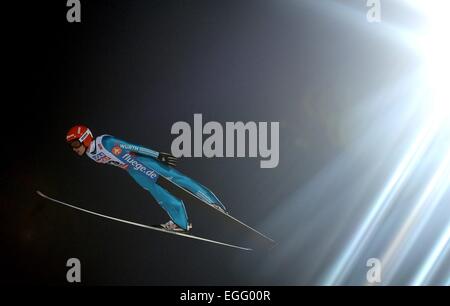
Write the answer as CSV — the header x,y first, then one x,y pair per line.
x,y
132,69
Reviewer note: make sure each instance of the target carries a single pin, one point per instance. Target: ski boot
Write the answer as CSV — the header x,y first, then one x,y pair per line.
x,y
171,226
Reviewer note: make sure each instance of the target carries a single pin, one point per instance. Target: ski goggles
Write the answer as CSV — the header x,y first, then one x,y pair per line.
x,y
75,144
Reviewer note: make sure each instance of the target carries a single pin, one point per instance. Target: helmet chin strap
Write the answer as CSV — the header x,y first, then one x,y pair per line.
x,y
92,147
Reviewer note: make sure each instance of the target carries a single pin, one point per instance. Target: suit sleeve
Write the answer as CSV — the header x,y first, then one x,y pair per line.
x,y
137,149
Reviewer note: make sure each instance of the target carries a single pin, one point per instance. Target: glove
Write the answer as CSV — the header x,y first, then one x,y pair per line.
x,y
168,159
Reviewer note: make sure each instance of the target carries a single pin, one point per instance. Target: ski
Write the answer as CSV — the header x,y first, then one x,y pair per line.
x,y
142,225
230,217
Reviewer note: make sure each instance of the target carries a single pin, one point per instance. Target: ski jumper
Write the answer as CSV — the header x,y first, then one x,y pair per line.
x,y
142,164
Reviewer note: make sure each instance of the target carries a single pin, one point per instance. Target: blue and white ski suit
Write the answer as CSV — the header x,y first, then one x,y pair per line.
x,y
142,164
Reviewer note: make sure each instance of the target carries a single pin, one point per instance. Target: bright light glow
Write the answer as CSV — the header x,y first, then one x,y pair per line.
x,y
434,46
419,217
374,218
433,259
400,203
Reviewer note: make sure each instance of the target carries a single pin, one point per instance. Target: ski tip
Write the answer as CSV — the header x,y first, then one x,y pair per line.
x,y
41,194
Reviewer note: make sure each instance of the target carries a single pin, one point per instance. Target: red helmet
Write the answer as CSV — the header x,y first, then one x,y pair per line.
x,y
80,133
